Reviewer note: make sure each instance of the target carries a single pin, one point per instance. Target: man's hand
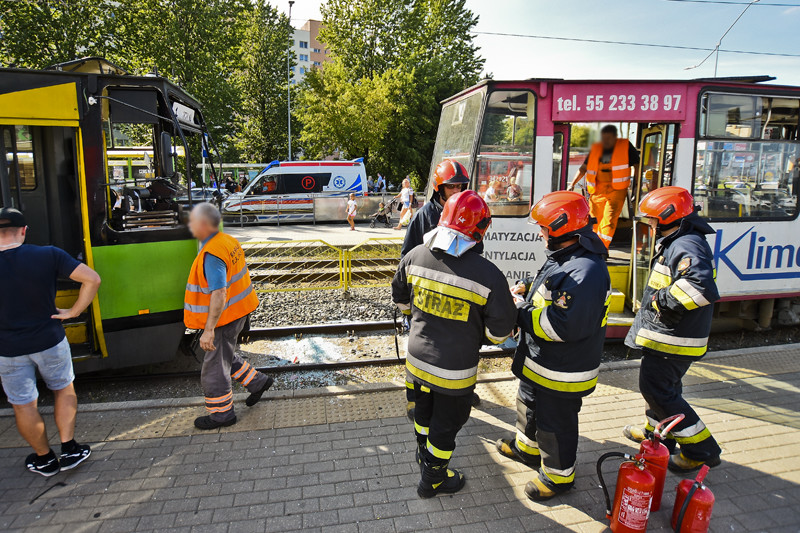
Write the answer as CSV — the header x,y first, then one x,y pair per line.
x,y
207,340
518,289
65,314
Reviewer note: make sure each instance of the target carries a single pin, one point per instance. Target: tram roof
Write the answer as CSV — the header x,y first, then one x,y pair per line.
x,y
743,81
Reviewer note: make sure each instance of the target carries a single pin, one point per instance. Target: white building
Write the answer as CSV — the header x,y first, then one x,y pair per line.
x,y
308,50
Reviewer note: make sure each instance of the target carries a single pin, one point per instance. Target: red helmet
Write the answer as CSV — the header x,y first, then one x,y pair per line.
x,y
468,214
450,171
667,204
561,212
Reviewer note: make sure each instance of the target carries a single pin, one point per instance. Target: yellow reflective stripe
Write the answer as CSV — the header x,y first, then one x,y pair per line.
x,y
424,389
536,316
439,454
495,339
608,308
539,301
562,386
409,385
559,478
658,280
449,290
524,446
684,299
422,430
448,279
692,292
676,349
446,379
703,435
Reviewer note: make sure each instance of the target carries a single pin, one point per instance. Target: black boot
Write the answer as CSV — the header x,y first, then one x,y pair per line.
x,y
436,478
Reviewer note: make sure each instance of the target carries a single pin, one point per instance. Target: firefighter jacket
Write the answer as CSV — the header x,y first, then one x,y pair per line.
x,y
454,303
423,221
562,321
241,298
675,317
619,169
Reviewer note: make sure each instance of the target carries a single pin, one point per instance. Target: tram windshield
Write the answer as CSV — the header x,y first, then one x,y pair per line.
x,y
458,127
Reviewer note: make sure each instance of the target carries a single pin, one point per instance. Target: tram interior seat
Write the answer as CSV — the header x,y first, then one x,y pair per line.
x,y
152,206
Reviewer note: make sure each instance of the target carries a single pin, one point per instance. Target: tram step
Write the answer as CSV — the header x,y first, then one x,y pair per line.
x,y
619,277
617,305
77,329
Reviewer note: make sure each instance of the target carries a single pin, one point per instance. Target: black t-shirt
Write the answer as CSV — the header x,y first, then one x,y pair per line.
x,y
28,276
633,156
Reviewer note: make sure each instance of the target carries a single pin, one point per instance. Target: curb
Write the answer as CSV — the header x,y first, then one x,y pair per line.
x,y
366,388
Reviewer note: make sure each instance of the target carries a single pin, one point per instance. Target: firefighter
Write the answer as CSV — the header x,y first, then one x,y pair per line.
x,y
456,299
219,297
672,326
562,320
608,175
449,178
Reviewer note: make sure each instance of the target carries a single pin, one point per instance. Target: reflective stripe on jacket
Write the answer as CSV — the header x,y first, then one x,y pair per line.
x,y
456,304
563,320
241,298
619,168
682,277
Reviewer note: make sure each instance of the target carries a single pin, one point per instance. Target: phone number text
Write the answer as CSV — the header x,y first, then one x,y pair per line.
x,y
621,102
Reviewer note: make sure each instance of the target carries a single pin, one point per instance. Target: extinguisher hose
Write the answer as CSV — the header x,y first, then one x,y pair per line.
x,y
600,461
682,512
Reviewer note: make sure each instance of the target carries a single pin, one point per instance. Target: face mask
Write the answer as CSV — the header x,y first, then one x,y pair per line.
x,y
448,241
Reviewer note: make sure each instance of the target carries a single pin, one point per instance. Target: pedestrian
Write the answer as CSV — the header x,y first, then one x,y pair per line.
x,y
608,175
370,184
352,210
32,338
405,200
456,298
380,185
230,185
449,178
562,320
219,299
672,326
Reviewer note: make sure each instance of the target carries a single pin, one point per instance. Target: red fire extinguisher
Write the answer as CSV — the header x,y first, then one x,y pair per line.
x,y
656,456
693,505
633,496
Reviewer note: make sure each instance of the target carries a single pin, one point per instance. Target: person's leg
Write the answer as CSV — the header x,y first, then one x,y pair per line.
x,y
523,447
256,383
215,378
449,415
660,384
410,400
615,201
31,427
597,206
557,437
18,375
66,411
423,411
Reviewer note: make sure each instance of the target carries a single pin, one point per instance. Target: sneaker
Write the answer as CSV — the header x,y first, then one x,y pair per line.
x,y
75,457
634,433
256,396
47,468
680,464
206,422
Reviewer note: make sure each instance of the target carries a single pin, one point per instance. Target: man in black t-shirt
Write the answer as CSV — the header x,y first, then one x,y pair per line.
x,y
32,338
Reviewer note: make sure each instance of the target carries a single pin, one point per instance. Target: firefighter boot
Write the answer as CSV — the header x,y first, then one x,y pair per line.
x,y
635,433
539,490
436,478
508,448
680,464
410,410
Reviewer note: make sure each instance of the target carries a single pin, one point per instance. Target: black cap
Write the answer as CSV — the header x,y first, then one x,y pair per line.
x,y
14,218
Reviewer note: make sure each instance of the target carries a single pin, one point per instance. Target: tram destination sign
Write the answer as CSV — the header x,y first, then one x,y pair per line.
x,y
619,102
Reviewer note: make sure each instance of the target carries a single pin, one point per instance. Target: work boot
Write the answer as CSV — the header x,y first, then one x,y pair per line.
x,y
436,478
256,396
410,410
475,399
538,491
206,422
508,448
635,433
681,464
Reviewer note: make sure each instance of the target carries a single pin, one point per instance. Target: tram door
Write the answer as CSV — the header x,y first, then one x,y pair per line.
x,y
654,171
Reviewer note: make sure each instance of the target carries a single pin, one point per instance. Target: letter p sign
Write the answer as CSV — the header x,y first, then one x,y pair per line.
x,y
308,183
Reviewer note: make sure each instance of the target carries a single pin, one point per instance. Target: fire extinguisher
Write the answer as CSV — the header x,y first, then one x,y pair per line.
x,y
656,456
633,495
693,505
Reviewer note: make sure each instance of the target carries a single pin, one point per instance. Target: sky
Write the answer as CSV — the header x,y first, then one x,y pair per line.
x,y
763,28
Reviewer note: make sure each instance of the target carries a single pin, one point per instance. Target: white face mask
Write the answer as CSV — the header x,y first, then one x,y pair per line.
x,y
448,241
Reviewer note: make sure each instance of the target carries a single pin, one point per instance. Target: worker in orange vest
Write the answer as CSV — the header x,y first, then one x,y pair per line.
x,y
218,299
608,176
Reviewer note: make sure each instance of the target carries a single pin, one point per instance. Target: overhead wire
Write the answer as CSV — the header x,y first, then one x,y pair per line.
x,y
733,3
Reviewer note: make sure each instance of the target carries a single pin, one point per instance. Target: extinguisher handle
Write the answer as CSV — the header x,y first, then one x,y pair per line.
x,y
670,422
702,474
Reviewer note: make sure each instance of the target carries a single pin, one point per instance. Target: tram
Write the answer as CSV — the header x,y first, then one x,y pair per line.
x,y
63,131
732,142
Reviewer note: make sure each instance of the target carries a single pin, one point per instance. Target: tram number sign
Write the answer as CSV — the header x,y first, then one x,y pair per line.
x,y
619,102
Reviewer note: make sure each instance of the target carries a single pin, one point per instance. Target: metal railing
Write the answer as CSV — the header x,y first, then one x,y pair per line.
x,y
303,265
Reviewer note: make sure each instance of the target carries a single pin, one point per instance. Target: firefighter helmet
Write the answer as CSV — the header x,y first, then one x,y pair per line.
x,y
468,214
450,171
667,205
561,212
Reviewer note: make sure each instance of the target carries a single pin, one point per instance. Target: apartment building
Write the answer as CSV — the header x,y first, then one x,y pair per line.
x,y
309,52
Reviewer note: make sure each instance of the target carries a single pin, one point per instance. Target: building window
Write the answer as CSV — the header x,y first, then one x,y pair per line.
x,y
292,69
317,51
303,44
303,57
317,64
302,70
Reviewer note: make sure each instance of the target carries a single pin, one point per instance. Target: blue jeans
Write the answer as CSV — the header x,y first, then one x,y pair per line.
x,y
18,374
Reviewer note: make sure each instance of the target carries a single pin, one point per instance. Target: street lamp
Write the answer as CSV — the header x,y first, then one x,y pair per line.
x,y
289,78
719,42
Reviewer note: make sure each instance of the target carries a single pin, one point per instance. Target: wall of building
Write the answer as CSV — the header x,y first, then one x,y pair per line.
x,y
309,51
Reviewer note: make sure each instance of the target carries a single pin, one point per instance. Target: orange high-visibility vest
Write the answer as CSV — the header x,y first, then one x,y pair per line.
x,y
241,298
620,166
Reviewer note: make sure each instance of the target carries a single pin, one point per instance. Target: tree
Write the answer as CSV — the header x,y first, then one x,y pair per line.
x,y
393,61
261,121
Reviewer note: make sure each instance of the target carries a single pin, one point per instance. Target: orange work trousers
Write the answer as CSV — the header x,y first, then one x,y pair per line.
x,y
606,205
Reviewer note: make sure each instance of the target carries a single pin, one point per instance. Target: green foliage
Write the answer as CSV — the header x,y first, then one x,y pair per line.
x,y
394,60
579,136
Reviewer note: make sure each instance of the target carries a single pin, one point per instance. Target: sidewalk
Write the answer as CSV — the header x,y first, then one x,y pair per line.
x,y
345,462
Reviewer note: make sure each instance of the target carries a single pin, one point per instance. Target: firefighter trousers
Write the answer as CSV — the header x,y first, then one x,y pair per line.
x,y
437,420
222,364
660,385
547,425
606,205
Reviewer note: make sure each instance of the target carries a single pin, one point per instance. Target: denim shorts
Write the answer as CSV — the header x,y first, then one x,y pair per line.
x,y
18,374
406,205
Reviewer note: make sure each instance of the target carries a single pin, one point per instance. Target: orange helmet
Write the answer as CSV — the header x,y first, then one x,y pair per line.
x,y
561,212
667,204
450,171
467,213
